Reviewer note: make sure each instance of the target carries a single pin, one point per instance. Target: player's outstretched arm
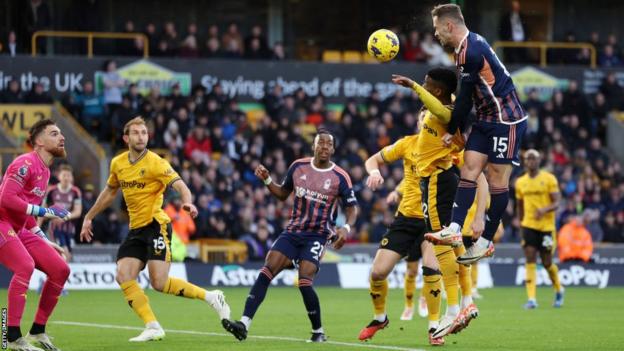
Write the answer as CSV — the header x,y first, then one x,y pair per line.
x,y
434,105
372,164
187,198
277,190
342,232
10,198
104,200
478,223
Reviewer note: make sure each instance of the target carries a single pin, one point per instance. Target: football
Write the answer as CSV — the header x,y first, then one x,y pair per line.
x,y
383,45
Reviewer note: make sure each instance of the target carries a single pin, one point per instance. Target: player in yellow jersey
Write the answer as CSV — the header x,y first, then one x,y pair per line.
x,y
143,177
405,236
439,181
411,273
537,195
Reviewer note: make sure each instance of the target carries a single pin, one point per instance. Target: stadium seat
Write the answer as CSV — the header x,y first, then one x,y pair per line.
x,y
351,56
367,58
332,56
222,251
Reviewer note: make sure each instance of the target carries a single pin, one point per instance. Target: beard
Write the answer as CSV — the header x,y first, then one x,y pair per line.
x,y
138,149
58,152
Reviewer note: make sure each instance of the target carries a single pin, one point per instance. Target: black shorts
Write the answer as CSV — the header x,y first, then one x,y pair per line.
x,y
404,237
543,241
151,242
438,195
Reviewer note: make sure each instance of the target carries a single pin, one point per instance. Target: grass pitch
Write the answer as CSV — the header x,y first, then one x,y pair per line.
x,y
591,319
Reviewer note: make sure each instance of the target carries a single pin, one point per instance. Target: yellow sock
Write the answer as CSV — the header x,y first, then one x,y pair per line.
x,y
553,273
432,290
378,293
474,273
530,281
138,301
450,274
465,282
409,288
179,287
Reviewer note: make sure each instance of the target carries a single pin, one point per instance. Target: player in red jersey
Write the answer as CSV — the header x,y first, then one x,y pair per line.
x,y
23,245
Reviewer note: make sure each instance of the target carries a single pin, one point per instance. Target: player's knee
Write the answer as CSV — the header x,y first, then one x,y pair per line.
x,y
26,268
412,271
60,273
429,271
158,283
378,274
496,180
123,276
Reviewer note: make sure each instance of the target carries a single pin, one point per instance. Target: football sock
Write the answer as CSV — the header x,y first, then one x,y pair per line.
x,y
498,203
464,197
258,292
179,287
465,281
474,274
553,273
450,275
531,275
311,302
432,287
378,293
138,301
409,288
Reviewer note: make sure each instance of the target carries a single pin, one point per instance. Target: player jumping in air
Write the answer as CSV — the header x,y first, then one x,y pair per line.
x,y
23,245
537,195
439,178
143,177
317,184
495,137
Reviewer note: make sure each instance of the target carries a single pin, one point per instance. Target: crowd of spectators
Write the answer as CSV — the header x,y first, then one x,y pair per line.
x,y
215,146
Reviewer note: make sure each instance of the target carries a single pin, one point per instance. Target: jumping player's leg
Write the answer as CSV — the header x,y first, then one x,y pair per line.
x,y
54,266
432,288
383,264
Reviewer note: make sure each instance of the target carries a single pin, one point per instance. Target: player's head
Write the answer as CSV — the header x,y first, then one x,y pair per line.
x,y
532,160
66,175
441,82
323,145
135,134
46,135
447,21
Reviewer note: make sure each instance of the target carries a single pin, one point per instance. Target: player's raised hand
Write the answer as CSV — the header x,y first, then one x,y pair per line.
x,y
374,180
393,197
539,213
261,172
86,234
341,237
190,208
402,81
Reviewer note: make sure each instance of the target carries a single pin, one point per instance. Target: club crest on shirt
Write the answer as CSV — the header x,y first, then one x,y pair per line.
x,y
300,192
327,184
11,232
142,172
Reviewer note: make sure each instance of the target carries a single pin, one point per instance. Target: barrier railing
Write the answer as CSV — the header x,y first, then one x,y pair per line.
x,y
543,46
89,36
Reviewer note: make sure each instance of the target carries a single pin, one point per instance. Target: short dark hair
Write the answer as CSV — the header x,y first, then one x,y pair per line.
x,y
322,130
37,129
445,77
452,11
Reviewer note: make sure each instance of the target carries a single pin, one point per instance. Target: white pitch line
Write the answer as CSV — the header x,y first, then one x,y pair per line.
x,y
280,338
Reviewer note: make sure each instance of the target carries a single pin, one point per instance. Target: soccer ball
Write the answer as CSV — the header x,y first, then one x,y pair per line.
x,y
383,45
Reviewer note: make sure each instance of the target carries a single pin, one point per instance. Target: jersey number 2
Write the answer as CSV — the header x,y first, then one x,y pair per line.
x,y
317,250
